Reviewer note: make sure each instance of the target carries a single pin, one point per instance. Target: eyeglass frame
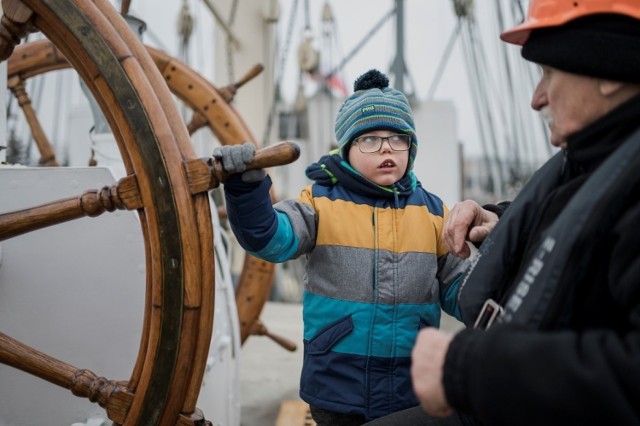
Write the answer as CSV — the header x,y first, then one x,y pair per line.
x,y
382,139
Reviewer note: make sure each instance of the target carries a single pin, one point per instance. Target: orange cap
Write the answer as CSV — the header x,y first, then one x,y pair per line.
x,y
552,13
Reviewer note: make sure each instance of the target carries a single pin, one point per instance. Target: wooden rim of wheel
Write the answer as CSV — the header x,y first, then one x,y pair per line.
x,y
163,174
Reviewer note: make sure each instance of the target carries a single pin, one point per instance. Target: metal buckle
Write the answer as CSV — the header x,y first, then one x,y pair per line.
x,y
489,313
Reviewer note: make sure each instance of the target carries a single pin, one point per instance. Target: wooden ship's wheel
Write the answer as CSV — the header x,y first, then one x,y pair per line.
x,y
166,184
211,108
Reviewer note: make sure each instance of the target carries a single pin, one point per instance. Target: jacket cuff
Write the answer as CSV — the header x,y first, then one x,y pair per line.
x,y
235,186
498,209
251,213
456,375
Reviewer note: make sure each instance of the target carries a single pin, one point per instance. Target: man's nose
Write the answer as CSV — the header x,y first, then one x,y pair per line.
x,y
538,99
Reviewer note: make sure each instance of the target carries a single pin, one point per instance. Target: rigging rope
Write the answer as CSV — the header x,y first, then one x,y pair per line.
x,y
230,45
528,70
280,74
307,16
483,113
185,29
504,120
330,42
443,62
55,134
510,98
362,42
505,125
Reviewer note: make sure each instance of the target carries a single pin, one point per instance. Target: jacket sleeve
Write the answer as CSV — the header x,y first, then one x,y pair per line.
x,y
580,375
302,219
262,229
450,272
499,208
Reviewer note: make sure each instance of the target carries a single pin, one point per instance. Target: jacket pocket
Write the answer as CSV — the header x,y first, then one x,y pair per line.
x,y
329,336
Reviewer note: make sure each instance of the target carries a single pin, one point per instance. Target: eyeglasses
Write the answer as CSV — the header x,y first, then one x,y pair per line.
x,y
368,144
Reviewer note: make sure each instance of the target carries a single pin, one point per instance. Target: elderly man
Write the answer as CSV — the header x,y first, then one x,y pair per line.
x,y
553,298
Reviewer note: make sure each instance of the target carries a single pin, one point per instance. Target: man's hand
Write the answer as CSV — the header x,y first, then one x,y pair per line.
x,y
467,221
235,158
426,370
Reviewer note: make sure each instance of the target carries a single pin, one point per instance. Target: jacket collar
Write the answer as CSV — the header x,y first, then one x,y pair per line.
x,y
587,148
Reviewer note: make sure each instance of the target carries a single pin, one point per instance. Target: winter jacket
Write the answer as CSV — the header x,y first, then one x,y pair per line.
x,y
572,356
376,272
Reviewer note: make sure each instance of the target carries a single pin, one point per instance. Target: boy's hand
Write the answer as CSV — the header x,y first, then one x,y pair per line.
x,y
235,158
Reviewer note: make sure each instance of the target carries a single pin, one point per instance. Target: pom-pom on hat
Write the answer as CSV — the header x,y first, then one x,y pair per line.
x,y
374,106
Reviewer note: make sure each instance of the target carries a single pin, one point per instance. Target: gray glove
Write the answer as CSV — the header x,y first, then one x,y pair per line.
x,y
235,158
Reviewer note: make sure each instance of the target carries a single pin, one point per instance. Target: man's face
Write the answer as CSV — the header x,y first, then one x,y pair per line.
x,y
568,102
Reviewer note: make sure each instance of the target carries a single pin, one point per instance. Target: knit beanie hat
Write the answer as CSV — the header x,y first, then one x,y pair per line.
x,y
374,106
602,46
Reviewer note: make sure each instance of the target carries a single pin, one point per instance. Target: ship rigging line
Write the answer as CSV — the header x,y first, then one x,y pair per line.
x,y
515,125
55,133
518,14
476,73
307,16
279,74
443,62
185,30
506,114
230,45
520,84
360,44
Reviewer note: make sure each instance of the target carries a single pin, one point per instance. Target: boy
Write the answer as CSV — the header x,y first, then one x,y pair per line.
x,y
376,269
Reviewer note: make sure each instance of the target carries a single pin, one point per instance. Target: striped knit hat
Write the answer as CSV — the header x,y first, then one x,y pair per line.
x,y
374,106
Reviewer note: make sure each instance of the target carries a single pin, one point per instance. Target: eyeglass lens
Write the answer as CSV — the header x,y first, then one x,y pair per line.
x,y
369,144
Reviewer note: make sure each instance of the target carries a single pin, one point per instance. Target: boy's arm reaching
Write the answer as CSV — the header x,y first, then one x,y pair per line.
x,y
260,229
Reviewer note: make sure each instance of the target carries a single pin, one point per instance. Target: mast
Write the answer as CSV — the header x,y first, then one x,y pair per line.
x,y
398,66
3,103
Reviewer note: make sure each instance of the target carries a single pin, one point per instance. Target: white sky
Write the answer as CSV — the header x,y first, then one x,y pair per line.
x,y
428,26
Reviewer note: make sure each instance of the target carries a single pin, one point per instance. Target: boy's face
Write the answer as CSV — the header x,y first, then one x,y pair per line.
x,y
383,167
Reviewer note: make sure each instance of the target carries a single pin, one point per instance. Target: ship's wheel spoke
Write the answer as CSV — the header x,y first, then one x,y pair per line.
x,y
202,175
93,203
109,394
48,156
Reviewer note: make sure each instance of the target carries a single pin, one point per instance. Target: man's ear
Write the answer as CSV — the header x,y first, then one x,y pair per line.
x,y
610,87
